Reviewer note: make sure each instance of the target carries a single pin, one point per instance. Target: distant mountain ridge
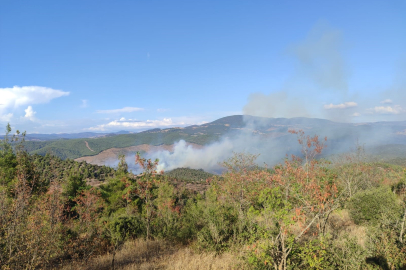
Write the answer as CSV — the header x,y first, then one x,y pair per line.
x,y
67,136
74,146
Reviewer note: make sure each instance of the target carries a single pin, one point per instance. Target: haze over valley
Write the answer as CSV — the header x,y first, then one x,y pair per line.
x,y
206,146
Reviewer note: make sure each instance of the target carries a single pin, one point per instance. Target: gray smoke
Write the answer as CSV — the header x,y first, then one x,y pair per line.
x,y
320,58
210,157
279,104
207,158
321,74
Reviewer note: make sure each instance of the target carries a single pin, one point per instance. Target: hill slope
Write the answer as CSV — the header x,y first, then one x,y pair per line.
x,y
276,129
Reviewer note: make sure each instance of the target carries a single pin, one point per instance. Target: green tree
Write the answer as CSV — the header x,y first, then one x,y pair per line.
x,y
8,159
122,165
73,186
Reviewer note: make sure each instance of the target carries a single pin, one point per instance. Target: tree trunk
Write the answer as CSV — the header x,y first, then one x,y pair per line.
x,y
403,227
114,255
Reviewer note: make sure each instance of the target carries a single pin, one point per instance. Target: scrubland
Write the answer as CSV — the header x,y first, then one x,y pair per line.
x,y
305,213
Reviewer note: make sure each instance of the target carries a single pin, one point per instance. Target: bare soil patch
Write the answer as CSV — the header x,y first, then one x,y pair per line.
x,y
87,145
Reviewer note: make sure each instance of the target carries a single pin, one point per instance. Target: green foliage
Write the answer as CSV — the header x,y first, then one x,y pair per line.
x,y
54,168
312,254
374,205
385,251
189,175
8,166
216,222
122,227
113,194
122,165
8,159
73,186
346,253
166,224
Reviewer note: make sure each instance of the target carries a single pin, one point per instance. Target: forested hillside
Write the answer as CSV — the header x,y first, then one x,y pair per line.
x,y
77,148
54,167
342,136
305,213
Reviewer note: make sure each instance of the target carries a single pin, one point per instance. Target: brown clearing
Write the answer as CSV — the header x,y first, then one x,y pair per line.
x,y
87,145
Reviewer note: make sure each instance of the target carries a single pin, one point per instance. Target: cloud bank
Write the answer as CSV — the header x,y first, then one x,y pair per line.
x,y
21,96
344,105
136,124
387,101
12,99
396,109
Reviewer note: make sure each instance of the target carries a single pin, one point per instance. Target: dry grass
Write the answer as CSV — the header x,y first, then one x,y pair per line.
x,y
187,259
341,223
142,255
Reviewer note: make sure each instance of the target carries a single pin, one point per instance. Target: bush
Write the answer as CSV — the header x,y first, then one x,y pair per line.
x,y
374,205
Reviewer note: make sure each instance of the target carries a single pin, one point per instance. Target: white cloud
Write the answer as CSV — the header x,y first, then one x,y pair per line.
x,y
15,97
149,123
29,113
26,95
121,123
387,101
123,110
396,109
133,124
344,105
84,103
356,114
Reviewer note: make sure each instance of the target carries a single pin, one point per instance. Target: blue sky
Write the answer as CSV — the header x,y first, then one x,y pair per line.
x,y
73,66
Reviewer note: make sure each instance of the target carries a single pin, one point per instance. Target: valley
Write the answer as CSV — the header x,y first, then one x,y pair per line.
x,y
269,137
